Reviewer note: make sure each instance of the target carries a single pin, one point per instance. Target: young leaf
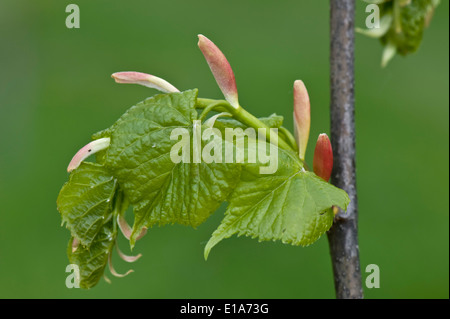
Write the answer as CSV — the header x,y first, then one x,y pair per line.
x,y
92,260
402,25
160,190
85,201
291,205
221,69
144,79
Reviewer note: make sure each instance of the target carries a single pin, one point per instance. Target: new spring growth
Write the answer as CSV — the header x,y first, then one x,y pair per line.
x,y
221,69
323,157
224,76
126,229
128,259
86,151
144,79
113,271
302,117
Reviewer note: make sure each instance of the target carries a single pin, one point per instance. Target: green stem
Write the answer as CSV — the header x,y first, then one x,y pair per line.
x,y
208,109
289,137
219,105
306,166
250,120
243,116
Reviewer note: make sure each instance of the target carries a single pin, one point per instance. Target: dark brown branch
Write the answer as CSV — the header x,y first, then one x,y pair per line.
x,y
342,236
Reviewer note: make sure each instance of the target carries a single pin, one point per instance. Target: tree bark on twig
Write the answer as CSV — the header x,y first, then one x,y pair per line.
x,y
343,236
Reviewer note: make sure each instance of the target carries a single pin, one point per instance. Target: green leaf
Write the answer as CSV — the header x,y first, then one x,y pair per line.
x,y
160,190
409,23
191,194
139,153
92,260
291,205
85,201
402,25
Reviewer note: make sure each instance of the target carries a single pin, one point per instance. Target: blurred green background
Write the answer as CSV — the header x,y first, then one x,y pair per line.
x,y
56,90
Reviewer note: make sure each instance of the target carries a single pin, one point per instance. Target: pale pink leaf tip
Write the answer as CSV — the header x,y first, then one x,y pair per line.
x,y
221,69
86,151
144,79
302,117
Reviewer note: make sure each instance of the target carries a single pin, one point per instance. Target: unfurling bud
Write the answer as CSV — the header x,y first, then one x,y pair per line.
x,y
221,69
75,244
87,150
302,117
126,229
129,259
323,157
144,79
